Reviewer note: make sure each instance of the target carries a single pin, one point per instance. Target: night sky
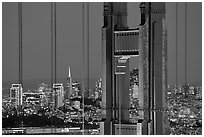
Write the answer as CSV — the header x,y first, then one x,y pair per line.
x,y
37,39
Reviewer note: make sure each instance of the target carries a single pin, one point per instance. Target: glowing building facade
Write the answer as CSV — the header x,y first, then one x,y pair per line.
x,y
59,94
16,95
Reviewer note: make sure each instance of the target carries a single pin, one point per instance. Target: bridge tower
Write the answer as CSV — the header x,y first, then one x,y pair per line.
x,y
153,69
120,43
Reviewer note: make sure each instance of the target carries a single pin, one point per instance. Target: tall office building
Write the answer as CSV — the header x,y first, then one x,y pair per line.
x,y
135,90
153,69
59,94
69,87
98,89
16,95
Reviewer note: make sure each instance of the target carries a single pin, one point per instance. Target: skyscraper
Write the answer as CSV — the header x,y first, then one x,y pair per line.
x,y
16,95
59,94
69,87
98,90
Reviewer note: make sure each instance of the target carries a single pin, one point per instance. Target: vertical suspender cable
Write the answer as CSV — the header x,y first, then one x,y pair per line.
x,y
55,56
55,38
176,45
20,43
52,92
83,79
52,48
154,109
20,54
88,48
112,107
150,68
185,43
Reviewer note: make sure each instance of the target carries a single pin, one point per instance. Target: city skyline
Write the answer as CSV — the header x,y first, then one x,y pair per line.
x,y
36,40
